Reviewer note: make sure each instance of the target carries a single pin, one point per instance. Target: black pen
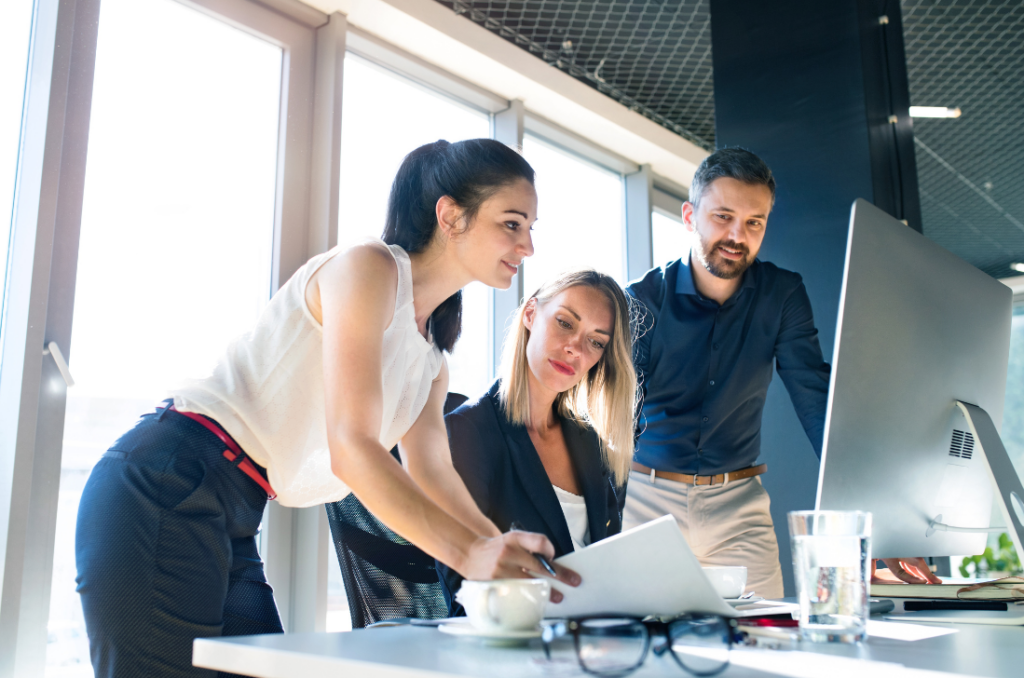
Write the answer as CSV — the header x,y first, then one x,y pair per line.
x,y
541,558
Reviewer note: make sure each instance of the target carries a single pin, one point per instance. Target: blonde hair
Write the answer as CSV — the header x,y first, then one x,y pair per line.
x,y
606,397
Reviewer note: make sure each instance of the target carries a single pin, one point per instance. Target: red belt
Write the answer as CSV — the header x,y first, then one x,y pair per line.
x,y
233,452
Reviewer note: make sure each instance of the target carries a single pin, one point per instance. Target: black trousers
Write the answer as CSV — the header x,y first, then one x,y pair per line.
x,y
166,550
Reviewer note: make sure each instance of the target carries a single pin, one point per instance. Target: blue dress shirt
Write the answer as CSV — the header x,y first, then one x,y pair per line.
x,y
704,369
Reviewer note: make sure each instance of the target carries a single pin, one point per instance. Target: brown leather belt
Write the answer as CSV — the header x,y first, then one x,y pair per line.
x,y
720,479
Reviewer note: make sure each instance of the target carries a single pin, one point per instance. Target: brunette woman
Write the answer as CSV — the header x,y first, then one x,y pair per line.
x,y
345,362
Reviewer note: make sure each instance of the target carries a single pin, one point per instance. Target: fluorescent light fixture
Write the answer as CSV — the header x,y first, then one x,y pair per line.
x,y
1017,266
934,112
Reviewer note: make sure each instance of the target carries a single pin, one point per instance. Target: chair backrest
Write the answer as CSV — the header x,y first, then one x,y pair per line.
x,y
385,576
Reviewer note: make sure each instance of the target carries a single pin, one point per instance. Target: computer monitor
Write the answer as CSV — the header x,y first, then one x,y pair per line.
x,y
921,352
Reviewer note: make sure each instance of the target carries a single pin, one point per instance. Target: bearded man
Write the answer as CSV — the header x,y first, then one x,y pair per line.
x,y
714,324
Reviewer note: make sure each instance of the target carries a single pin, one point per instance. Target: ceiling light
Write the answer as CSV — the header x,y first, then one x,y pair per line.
x,y
1017,266
934,112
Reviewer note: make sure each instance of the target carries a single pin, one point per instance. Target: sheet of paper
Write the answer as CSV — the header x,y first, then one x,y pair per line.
x,y
909,632
795,664
646,570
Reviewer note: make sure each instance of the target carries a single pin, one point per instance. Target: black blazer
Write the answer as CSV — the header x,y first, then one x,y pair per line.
x,y
506,477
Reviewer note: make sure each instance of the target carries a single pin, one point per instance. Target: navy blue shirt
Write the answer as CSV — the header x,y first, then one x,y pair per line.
x,y
704,369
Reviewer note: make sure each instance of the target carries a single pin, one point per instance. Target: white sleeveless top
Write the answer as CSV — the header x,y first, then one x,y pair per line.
x,y
267,390
574,508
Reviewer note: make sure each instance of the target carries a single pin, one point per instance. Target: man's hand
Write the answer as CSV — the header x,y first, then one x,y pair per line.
x,y
910,570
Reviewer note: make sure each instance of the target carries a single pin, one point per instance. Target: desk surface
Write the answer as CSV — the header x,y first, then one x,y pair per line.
x,y
424,652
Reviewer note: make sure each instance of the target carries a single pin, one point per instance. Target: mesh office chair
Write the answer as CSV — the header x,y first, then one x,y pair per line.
x,y
385,576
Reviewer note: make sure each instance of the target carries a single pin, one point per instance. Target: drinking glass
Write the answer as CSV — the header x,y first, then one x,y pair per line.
x,y
831,560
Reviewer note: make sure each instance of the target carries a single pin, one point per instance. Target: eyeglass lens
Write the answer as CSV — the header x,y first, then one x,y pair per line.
x,y
700,644
611,646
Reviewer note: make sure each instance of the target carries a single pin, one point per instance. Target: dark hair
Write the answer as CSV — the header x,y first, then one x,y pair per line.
x,y
734,163
469,172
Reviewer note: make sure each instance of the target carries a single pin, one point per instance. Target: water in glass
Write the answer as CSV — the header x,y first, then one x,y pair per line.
x,y
831,557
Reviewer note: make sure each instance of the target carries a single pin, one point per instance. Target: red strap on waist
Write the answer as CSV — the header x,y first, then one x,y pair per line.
x,y
233,451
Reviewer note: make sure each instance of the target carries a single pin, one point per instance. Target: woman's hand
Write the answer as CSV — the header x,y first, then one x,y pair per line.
x,y
510,556
910,570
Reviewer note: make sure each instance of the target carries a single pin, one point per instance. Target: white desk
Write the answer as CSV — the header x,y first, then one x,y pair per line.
x,y
423,652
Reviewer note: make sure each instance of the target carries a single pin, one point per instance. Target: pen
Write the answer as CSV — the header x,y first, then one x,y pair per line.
x,y
515,527
547,566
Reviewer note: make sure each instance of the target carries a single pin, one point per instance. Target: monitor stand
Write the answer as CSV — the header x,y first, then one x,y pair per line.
x,y
1003,475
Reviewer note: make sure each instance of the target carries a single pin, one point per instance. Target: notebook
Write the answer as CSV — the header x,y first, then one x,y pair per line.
x,y
1008,589
1014,616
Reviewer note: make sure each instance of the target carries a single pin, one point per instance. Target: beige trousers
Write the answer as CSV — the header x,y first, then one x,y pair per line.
x,y
723,524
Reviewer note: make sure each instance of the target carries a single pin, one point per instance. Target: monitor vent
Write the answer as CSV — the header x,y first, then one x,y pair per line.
x,y
962,445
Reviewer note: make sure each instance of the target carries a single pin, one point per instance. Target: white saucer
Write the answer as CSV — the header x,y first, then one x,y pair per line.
x,y
744,601
467,630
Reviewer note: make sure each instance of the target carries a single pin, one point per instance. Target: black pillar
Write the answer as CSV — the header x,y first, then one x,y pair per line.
x,y
811,86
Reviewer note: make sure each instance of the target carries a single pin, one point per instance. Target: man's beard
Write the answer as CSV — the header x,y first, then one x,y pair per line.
x,y
719,266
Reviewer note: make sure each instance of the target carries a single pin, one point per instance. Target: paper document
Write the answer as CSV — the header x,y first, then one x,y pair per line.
x,y
796,664
907,632
649,569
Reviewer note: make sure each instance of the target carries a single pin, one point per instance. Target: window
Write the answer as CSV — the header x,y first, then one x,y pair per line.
x,y
468,364
1013,409
579,216
15,32
669,239
176,240
385,116
1012,433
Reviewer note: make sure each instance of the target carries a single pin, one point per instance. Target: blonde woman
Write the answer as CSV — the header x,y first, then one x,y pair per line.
x,y
547,449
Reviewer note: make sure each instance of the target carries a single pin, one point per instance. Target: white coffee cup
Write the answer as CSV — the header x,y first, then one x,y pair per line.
x,y
504,604
729,581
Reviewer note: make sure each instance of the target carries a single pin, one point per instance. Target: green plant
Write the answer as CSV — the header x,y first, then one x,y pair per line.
x,y
1003,559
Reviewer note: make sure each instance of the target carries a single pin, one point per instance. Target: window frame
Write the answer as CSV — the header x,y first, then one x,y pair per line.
x,y
44,256
668,203
574,144
306,210
43,266
422,73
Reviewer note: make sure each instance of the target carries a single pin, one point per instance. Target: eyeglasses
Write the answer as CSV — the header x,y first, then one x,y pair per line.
x,y
616,646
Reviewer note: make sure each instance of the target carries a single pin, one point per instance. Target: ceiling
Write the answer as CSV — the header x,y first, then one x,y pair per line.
x,y
654,56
